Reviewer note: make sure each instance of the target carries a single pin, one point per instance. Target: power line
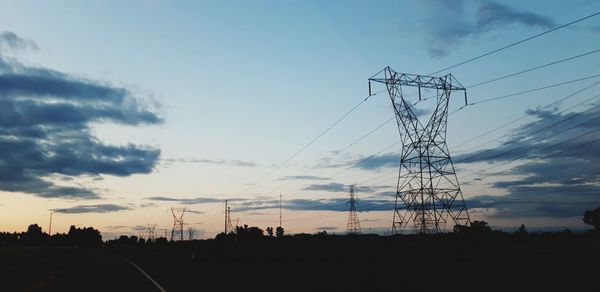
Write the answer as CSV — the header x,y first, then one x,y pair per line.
x,y
395,143
336,153
535,89
312,141
543,149
533,69
524,116
516,43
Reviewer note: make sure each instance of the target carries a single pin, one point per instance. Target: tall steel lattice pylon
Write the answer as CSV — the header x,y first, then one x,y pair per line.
x,y
353,225
228,224
177,222
428,195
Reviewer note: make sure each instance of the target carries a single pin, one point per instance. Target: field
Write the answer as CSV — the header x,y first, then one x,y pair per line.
x,y
313,263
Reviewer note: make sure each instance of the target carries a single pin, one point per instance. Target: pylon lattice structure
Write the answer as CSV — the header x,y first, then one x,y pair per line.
x,y
177,222
151,233
353,225
428,194
230,227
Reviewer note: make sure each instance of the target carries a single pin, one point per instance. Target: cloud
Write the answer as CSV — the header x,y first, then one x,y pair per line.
x,y
379,161
212,161
449,22
539,201
557,166
333,204
303,177
45,118
100,208
192,201
337,187
11,41
327,228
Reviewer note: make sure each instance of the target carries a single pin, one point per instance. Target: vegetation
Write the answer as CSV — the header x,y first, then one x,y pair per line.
x,y
34,236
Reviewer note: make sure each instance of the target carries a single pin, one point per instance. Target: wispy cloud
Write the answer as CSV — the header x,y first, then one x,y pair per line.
x,y
450,23
11,41
327,228
193,201
100,208
230,162
303,177
337,187
333,204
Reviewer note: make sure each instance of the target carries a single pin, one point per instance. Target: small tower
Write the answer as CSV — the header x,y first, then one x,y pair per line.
x,y
353,225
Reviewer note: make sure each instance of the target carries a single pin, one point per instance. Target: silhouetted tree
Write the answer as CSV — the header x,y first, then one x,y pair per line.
x,y
592,217
522,231
246,232
480,227
279,231
33,235
270,231
86,236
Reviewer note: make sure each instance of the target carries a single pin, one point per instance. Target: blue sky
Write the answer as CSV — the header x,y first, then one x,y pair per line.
x,y
237,87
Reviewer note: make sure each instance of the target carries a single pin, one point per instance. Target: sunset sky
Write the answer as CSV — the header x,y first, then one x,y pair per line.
x,y
117,111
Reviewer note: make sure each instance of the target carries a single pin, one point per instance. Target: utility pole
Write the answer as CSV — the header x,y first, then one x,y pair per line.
x,y
428,194
353,225
280,209
50,224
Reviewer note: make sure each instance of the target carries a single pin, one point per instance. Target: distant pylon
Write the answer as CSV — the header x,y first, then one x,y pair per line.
x,y
177,222
191,231
353,225
229,222
151,234
428,194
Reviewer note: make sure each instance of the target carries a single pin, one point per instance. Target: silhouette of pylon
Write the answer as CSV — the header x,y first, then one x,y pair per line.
x,y
177,222
428,194
229,222
353,225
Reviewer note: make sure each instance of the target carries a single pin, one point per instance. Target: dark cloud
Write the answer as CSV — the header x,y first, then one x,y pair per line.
x,y
379,161
337,187
303,177
212,161
100,208
557,166
192,201
11,41
540,201
45,118
492,14
450,23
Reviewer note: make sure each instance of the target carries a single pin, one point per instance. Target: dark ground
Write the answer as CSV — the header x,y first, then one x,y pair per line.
x,y
313,264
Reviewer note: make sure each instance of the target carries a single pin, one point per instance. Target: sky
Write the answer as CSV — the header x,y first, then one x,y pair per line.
x,y
116,111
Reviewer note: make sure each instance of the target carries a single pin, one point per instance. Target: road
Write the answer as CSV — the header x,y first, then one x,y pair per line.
x,y
70,270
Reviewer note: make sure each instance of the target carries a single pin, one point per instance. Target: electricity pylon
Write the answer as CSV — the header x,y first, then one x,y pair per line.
x,y
177,222
428,194
151,233
228,224
353,225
